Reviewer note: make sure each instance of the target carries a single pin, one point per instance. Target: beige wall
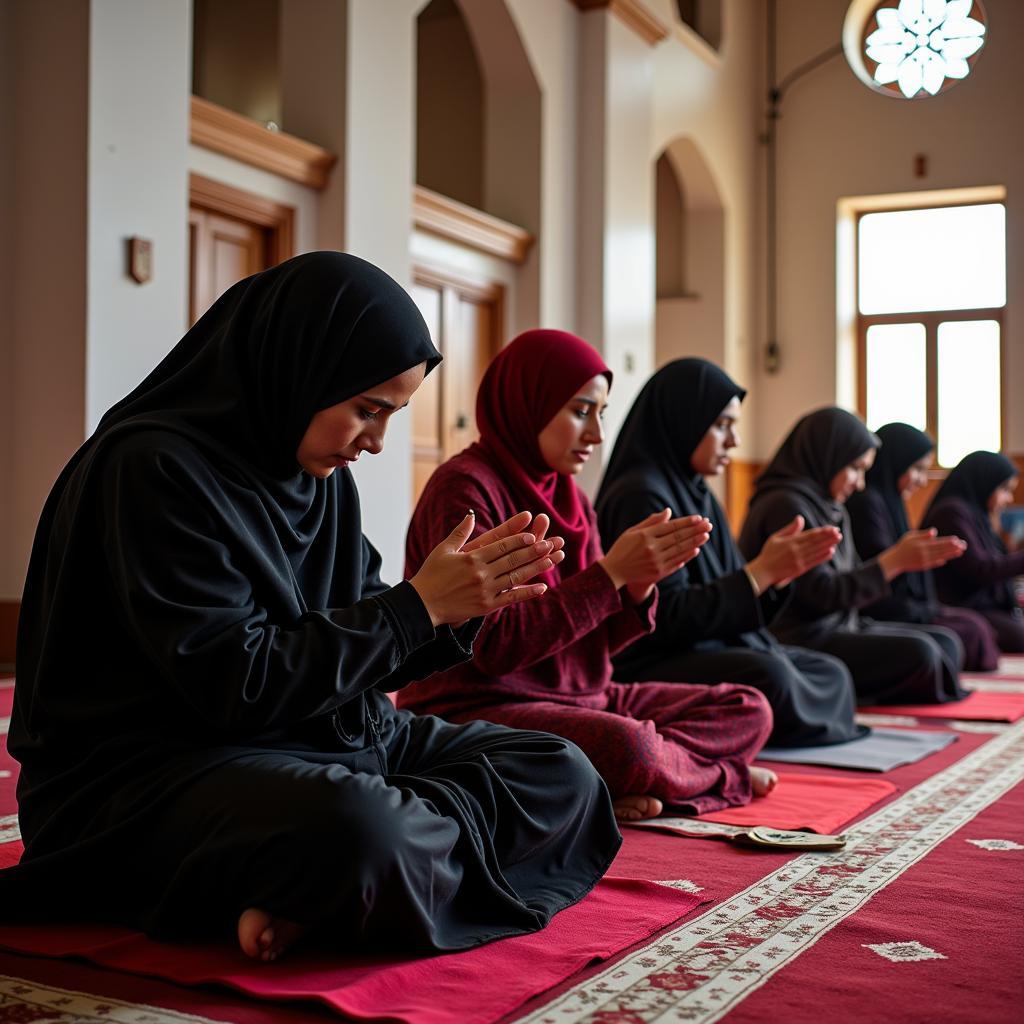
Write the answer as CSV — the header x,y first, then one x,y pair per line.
x,y
836,139
48,282
706,113
548,283
7,265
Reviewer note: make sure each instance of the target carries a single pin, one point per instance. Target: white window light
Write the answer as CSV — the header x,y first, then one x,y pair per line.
x,y
915,48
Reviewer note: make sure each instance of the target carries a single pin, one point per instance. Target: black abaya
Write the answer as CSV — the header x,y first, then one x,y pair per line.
x,y
203,652
878,517
710,625
894,662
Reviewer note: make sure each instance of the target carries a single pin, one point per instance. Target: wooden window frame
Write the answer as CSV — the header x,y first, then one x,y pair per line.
x,y
930,319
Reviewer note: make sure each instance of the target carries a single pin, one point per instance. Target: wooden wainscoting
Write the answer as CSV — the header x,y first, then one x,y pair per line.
x,y
8,631
739,486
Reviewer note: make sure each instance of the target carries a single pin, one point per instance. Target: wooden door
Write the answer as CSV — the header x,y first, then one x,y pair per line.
x,y
466,323
232,234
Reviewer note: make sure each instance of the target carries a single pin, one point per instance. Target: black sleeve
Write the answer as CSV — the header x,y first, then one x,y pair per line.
x,y
825,588
690,609
190,606
450,646
977,566
873,531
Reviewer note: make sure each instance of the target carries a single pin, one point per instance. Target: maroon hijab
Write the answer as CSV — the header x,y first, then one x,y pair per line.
x,y
522,390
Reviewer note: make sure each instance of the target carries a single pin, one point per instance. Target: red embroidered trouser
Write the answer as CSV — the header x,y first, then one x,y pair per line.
x,y
689,746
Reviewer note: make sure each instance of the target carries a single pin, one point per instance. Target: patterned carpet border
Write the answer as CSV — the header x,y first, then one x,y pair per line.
x,y
703,969
30,1001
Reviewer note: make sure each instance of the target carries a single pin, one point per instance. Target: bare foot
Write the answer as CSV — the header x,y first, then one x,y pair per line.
x,y
635,808
762,781
264,937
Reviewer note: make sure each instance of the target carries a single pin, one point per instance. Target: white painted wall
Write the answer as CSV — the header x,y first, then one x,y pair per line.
x,y
550,35
837,138
707,107
380,132
139,80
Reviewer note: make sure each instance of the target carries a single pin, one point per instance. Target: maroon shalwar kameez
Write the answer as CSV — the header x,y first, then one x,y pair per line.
x,y
546,663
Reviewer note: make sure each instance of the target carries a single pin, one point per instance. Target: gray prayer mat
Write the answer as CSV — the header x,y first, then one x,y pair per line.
x,y
879,751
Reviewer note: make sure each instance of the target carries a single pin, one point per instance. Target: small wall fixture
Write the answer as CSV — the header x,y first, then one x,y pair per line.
x,y
140,259
913,49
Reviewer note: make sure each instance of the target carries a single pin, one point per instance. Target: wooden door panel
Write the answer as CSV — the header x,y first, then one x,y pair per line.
x,y
473,350
465,323
232,234
238,249
427,420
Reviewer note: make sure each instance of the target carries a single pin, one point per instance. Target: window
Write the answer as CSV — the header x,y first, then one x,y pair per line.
x,y
931,290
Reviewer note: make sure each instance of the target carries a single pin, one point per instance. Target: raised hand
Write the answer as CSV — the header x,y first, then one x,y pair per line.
x,y
918,550
461,579
791,551
653,549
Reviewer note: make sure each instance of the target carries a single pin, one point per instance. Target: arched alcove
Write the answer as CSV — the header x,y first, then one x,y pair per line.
x,y
478,105
704,17
449,106
690,250
236,56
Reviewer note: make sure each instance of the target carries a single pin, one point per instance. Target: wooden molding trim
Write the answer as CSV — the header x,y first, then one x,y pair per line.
x,y
222,130
8,630
256,209
450,219
634,13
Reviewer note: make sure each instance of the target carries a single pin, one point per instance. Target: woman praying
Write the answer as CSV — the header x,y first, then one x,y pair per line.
x,y
878,517
206,646
546,664
818,467
712,612
970,502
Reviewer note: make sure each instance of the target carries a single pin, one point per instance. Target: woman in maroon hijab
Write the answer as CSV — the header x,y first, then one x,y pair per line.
x,y
547,663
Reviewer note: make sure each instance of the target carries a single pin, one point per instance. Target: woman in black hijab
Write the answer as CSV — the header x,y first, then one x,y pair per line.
x,y
970,501
878,516
205,650
712,613
818,467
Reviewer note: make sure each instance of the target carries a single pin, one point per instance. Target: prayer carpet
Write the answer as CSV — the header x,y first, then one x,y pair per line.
x,y
811,803
931,878
431,990
982,704
880,751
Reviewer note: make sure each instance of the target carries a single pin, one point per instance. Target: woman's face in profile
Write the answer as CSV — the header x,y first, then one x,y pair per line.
x,y
711,456
850,479
339,434
575,430
1002,496
915,477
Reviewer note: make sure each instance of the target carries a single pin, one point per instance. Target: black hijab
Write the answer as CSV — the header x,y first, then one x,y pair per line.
x,y
240,388
667,422
973,482
821,444
902,446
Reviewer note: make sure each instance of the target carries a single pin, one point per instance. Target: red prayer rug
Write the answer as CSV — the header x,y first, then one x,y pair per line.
x,y
706,968
981,705
948,824
810,803
427,990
